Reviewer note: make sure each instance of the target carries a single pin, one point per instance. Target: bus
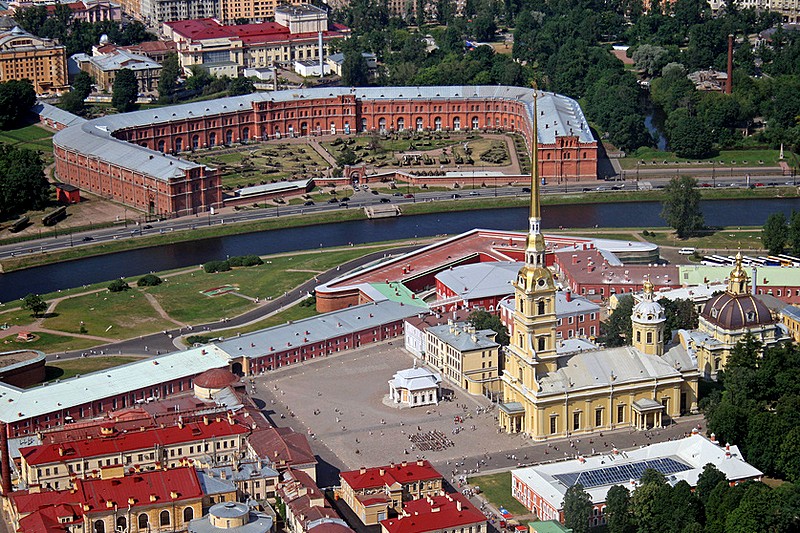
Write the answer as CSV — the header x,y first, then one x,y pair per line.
x,y
19,225
795,261
54,217
778,261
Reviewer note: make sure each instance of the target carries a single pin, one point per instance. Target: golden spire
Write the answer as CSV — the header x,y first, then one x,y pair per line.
x,y
647,289
737,282
534,253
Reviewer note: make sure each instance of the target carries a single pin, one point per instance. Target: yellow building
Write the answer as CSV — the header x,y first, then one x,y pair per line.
x,y
549,394
465,357
252,10
790,317
25,56
726,319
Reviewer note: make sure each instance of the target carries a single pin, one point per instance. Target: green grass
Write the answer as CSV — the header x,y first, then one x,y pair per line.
x,y
31,137
497,489
16,317
128,314
725,159
72,367
296,312
49,343
725,238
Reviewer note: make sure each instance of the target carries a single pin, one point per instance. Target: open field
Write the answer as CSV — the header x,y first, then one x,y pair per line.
x,y
497,489
31,137
723,238
73,367
651,158
295,312
49,343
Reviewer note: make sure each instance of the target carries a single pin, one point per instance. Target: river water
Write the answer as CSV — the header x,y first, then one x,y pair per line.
x,y
49,278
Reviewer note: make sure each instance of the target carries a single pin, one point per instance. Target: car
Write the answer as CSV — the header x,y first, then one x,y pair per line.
x,y
526,189
374,192
473,193
345,199
147,226
310,202
601,188
733,185
617,187
409,195
686,251
333,201
398,194
586,189
87,239
759,184
456,196
343,204
385,200
705,185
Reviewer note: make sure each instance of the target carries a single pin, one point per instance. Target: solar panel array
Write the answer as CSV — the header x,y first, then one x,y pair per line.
x,y
621,474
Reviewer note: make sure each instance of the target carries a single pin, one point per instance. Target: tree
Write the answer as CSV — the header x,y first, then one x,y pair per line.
x,y
346,157
577,509
794,232
240,86
23,185
708,479
355,72
775,233
170,70
681,208
688,135
618,511
651,502
125,91
16,99
616,330
149,280
118,285
35,304
74,100
486,320
650,58
484,27
681,314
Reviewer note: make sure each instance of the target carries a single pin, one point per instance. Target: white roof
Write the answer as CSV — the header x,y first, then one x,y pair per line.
x,y
692,452
416,379
18,404
481,280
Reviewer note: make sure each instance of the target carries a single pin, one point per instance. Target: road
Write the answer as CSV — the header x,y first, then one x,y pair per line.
x,y
360,199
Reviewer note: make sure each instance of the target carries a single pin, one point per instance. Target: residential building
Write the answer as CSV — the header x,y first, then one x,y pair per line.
x,y
232,11
335,61
306,505
415,326
790,317
372,493
415,387
541,488
466,357
155,50
157,501
106,64
254,480
156,12
788,9
42,61
283,448
437,514
92,10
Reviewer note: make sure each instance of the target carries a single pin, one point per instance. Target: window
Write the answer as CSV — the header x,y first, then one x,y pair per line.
x,y
576,420
620,414
99,526
188,515
649,337
122,523
553,424
143,521
540,308
163,518
598,418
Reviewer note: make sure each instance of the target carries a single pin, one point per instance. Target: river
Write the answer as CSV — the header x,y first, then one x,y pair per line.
x,y
49,278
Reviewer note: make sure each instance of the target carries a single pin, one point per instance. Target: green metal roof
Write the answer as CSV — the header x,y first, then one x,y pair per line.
x,y
548,526
775,275
397,292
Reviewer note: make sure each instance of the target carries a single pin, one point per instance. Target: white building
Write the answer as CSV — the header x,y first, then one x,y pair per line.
x,y
415,387
542,488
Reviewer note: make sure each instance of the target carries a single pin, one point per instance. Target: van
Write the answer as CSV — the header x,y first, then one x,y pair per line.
x,y
686,251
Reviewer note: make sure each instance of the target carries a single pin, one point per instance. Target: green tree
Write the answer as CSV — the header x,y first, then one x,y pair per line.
x,y
618,510
170,71
688,135
355,72
149,280
240,86
794,232
651,502
650,58
16,99
74,100
35,304
708,479
681,314
346,157
681,208
23,185
775,233
616,330
125,91
485,320
118,285
484,27
577,509
82,84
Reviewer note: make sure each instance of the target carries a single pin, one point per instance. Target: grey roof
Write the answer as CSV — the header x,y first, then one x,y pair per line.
x,y
791,311
460,339
416,379
576,304
574,345
57,115
558,115
268,188
120,59
244,472
256,522
214,484
481,280
316,329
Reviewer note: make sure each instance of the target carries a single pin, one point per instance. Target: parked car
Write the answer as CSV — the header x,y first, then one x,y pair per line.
x,y
398,194
409,195
87,239
526,189
473,193
333,201
310,202
456,196
374,192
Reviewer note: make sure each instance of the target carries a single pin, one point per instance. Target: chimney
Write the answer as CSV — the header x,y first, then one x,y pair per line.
x,y
381,472
568,295
458,505
362,471
5,476
420,462
729,81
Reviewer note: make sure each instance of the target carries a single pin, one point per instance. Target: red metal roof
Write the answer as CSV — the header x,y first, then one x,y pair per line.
x,y
383,476
176,484
209,28
216,378
129,441
434,514
282,445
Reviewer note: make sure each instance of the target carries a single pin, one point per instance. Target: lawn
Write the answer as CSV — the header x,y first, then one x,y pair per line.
x,y
725,238
651,158
296,312
119,315
31,137
85,365
497,489
49,343
16,317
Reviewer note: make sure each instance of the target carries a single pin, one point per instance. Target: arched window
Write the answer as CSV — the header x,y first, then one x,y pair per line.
x,y
540,308
178,144
161,146
245,134
163,518
333,128
382,125
212,138
456,123
228,136
474,123
419,124
195,142
188,515
122,523
99,526
649,337
542,344
143,521
363,124
401,124
437,123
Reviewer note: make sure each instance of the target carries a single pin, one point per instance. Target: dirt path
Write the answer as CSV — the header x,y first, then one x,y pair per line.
x,y
160,310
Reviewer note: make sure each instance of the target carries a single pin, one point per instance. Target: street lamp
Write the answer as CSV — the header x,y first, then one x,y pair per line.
x,y
713,174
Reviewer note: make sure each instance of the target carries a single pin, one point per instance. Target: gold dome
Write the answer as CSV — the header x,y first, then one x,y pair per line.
x,y
534,278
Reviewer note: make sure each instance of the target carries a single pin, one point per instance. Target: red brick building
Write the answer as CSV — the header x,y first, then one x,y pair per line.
x,y
127,156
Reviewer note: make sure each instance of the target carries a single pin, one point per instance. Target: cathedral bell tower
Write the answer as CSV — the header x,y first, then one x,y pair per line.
x,y
648,320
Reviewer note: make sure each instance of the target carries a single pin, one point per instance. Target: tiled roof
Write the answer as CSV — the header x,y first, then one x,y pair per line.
x,y
384,476
173,485
434,514
281,445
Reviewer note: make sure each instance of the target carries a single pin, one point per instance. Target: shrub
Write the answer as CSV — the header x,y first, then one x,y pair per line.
x,y
149,280
198,339
118,285
216,266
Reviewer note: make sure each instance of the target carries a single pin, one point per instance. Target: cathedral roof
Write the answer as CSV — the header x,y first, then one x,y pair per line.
x,y
736,311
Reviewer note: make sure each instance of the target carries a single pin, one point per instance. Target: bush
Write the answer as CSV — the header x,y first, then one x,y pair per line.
x,y
311,301
118,285
245,261
216,266
199,339
149,280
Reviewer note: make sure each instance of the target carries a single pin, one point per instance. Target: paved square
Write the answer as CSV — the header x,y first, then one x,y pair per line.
x,y
340,401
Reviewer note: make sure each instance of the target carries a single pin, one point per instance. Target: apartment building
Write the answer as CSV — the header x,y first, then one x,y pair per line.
x,y
25,56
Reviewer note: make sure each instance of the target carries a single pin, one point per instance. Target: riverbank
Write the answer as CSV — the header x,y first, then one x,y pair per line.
x,y
345,215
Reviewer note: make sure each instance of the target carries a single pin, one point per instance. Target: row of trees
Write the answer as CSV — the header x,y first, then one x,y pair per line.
x,y
779,233
23,185
713,507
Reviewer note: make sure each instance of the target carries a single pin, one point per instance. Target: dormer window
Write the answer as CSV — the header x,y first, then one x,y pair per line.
x,y
713,312
750,316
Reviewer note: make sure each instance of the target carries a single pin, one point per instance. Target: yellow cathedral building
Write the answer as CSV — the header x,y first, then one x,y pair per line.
x,y
547,394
